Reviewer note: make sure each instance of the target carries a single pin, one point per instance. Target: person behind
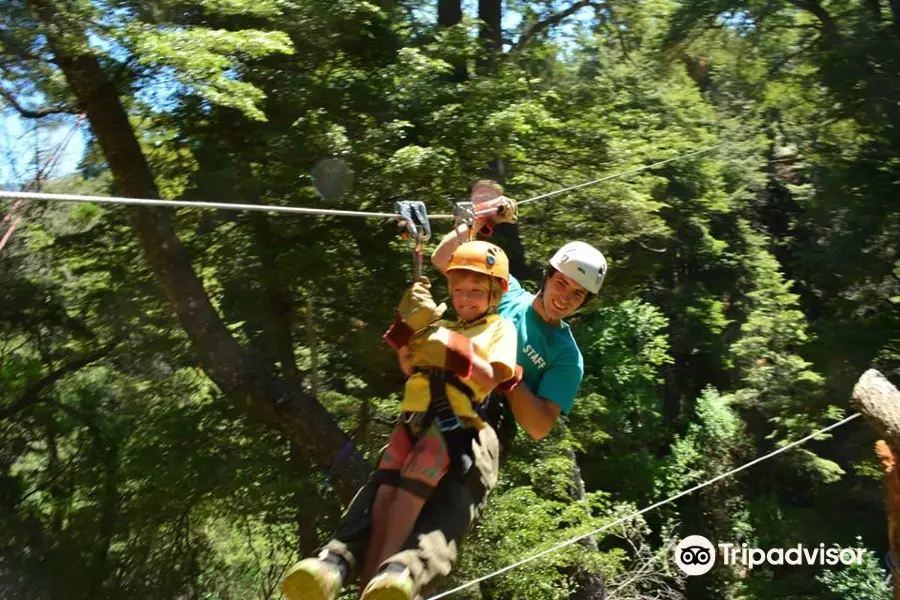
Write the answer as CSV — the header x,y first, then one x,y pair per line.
x,y
548,354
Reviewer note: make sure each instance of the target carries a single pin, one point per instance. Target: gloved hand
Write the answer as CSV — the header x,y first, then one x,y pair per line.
x,y
510,384
507,210
417,307
416,311
444,349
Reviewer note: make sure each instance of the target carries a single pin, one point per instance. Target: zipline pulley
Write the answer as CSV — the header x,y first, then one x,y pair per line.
x,y
414,218
464,212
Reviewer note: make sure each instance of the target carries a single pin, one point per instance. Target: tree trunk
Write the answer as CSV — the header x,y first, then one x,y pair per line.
x,y
449,14
238,373
829,27
490,34
879,402
279,299
590,583
874,8
306,501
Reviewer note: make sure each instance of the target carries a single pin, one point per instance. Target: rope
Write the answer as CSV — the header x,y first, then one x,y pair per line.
x,y
622,174
309,211
642,511
190,204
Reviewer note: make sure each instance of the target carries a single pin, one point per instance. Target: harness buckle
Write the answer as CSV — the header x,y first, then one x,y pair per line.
x,y
448,422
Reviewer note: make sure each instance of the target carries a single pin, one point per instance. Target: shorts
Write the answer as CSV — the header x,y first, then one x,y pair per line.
x,y
415,464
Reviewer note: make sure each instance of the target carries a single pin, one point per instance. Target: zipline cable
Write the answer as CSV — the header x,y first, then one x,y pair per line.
x,y
309,211
622,174
191,204
627,518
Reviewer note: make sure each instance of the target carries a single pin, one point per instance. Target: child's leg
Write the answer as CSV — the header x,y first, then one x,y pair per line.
x,y
425,466
381,514
394,457
404,512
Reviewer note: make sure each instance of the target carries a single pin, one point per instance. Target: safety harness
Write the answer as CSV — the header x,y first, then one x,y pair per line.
x,y
457,436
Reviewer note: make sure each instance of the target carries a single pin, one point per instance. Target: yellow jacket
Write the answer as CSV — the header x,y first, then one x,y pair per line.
x,y
495,340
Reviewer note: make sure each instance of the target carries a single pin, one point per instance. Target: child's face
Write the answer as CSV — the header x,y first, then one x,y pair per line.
x,y
470,293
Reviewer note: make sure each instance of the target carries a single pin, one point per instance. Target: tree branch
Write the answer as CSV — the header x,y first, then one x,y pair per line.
x,y
36,113
829,26
550,21
31,395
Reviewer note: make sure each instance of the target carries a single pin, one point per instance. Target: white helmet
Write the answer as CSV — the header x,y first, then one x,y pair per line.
x,y
583,263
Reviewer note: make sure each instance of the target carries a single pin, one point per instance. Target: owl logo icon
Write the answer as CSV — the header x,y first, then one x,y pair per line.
x,y
695,555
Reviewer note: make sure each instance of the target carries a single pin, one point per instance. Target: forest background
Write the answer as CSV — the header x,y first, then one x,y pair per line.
x,y
175,386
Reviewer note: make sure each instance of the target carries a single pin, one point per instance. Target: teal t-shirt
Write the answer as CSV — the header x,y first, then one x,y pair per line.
x,y
551,362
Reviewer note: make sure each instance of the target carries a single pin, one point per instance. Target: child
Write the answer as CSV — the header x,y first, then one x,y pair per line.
x,y
452,367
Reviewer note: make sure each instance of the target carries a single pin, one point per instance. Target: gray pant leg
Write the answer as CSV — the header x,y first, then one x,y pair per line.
x,y
432,549
351,540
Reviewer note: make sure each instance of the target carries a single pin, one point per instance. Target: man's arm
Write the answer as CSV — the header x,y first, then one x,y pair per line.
x,y
440,258
537,411
534,414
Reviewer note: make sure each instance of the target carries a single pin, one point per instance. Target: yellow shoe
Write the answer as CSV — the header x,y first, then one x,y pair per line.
x,y
390,585
312,579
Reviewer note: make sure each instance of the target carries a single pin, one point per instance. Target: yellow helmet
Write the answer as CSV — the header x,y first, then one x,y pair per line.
x,y
481,257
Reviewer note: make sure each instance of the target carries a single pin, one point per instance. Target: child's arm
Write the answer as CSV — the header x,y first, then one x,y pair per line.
x,y
487,375
500,364
403,355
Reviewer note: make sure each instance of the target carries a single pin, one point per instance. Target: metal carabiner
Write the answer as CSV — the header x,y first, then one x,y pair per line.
x,y
414,217
464,213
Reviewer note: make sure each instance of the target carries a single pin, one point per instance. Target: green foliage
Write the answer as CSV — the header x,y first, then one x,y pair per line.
x,y
619,416
748,288
204,59
866,581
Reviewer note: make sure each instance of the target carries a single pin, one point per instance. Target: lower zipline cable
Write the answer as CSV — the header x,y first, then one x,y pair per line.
x,y
624,519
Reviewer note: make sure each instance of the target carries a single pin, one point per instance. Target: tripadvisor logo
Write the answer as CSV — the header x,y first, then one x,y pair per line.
x,y
696,555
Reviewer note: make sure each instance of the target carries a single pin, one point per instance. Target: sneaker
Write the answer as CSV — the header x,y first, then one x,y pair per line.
x,y
391,584
312,579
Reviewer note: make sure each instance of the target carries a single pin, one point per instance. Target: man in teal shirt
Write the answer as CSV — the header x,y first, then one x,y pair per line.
x,y
542,345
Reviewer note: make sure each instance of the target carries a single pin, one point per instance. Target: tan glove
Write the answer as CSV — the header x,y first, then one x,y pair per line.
x,y
444,349
415,312
417,307
507,210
